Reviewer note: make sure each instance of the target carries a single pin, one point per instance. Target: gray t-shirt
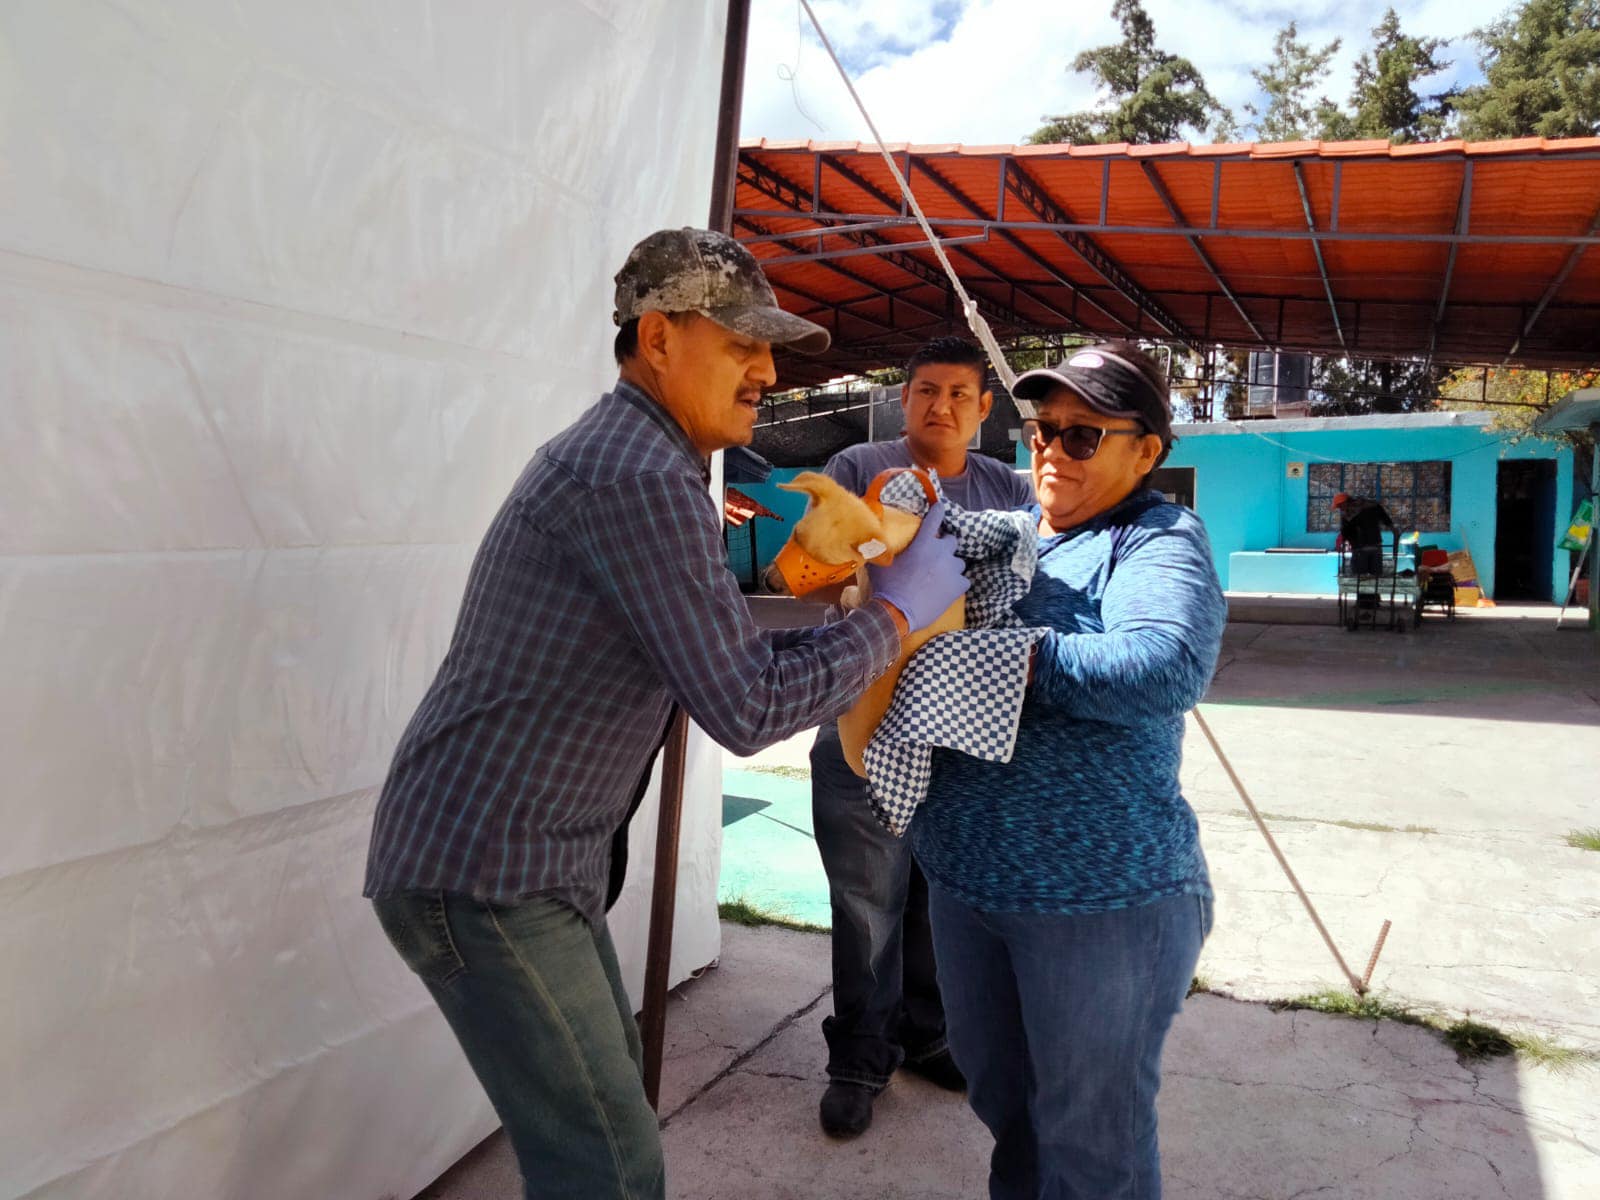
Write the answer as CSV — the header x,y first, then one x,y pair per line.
x,y
984,484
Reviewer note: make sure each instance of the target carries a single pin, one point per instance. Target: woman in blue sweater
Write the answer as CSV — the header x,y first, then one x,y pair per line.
x,y
1068,892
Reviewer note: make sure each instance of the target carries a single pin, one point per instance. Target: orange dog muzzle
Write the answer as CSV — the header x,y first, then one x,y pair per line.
x,y
804,573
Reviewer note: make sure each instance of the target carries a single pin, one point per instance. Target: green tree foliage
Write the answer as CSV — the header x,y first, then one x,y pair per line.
x,y
1147,95
1385,102
1288,81
1541,67
1516,396
1351,386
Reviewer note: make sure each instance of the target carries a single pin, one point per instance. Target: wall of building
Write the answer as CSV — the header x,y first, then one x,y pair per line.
x,y
1248,501
1245,495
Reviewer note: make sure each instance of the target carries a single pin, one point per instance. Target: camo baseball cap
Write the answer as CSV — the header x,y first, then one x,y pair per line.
x,y
697,270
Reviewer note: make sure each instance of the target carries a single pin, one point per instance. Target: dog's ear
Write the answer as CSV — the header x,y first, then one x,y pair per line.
x,y
837,521
814,484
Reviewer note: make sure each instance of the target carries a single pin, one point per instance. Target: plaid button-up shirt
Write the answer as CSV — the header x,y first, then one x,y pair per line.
x,y
599,596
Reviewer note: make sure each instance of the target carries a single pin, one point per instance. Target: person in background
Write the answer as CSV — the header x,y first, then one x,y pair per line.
x,y
599,600
886,1006
1361,527
1068,892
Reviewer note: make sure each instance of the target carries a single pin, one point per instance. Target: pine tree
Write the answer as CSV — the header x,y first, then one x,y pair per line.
x,y
1385,102
1148,95
1347,386
1541,69
1288,80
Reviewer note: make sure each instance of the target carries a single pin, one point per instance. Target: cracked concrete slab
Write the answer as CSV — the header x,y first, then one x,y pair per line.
x,y
711,1022
1257,1105
1481,739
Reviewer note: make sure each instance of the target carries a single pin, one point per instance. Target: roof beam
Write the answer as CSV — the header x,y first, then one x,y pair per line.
x,y
1463,214
1160,187
875,247
890,202
1011,239
1398,237
853,276
1555,286
1316,248
836,305
774,186
769,182
1043,205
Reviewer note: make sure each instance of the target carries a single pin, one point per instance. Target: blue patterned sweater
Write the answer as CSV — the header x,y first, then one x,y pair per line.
x,y
1088,815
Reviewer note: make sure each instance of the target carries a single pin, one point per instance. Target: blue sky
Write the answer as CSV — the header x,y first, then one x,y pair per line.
x,y
985,71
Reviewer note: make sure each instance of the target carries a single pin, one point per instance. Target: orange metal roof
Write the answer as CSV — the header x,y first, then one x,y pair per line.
x,y
1470,252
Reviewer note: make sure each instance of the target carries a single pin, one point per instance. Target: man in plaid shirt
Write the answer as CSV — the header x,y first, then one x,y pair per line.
x,y
598,600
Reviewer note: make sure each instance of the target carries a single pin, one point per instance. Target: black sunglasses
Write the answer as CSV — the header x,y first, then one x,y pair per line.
x,y
1077,441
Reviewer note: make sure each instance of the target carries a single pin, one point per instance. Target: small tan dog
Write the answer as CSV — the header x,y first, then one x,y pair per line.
x,y
839,534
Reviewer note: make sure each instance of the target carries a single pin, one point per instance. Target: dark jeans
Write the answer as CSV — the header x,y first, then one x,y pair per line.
x,y
886,1006
1366,560
1058,1023
535,998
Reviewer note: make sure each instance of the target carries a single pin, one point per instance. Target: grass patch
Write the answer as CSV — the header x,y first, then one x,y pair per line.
x,y
781,771
1198,985
1369,826
1551,1054
1584,839
1472,1040
1370,1007
741,912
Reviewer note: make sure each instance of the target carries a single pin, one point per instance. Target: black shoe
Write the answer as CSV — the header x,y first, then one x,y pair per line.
x,y
846,1109
940,1069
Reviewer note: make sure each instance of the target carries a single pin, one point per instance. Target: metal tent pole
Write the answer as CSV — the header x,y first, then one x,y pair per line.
x,y
1594,532
664,894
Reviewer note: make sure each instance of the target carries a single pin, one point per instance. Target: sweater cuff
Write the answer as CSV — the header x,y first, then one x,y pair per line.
x,y
875,631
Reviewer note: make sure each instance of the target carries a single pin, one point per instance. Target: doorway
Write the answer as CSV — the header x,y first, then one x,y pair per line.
x,y
1525,515
1175,483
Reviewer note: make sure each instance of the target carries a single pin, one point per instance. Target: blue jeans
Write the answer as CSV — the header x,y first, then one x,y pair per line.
x,y
886,1005
1057,1023
535,998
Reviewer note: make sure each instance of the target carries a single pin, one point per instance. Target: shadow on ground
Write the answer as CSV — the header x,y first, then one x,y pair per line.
x,y
1257,1104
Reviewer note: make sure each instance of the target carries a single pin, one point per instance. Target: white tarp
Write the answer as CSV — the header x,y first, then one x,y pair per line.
x,y
289,291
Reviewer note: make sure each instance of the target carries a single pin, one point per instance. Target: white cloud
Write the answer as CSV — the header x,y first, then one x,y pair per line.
x,y
986,71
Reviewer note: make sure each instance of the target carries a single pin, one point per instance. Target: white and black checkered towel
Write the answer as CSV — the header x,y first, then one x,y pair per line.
x,y
963,690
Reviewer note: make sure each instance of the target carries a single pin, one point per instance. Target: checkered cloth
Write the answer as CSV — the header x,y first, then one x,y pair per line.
x,y
962,690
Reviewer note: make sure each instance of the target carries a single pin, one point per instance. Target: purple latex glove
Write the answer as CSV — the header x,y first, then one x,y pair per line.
x,y
925,578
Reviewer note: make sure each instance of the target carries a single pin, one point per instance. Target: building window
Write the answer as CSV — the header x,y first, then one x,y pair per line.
x,y
1416,494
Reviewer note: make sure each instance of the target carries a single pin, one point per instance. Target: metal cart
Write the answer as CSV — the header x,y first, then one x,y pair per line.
x,y
1436,586
1371,590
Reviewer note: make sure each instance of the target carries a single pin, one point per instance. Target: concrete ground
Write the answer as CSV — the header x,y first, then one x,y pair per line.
x,y
1427,778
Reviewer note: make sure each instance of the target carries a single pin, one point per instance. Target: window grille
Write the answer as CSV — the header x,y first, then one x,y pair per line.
x,y
1416,494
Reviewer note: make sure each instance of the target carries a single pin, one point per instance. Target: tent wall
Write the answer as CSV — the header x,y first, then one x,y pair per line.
x,y
289,292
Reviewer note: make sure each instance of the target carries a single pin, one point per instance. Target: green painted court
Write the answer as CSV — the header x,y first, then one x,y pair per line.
x,y
769,854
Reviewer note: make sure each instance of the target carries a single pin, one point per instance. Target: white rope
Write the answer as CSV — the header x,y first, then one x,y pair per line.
x,y
969,307
1244,427
1357,984
986,337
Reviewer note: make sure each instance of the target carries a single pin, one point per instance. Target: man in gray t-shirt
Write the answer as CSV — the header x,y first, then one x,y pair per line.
x,y
886,1006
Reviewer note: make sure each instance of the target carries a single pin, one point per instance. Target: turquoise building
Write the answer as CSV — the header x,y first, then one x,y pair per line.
x,y
1264,487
